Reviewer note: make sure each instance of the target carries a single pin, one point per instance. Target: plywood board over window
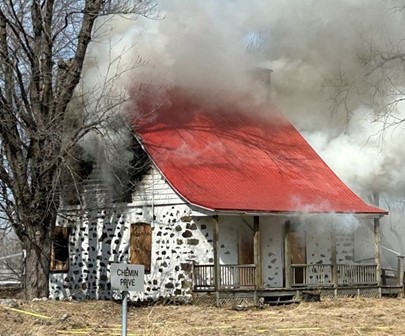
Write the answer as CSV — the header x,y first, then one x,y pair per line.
x,y
60,250
141,245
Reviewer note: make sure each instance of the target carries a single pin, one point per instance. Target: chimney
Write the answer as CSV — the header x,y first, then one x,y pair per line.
x,y
261,79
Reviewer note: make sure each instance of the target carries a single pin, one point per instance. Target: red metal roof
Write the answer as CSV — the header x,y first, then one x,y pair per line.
x,y
233,155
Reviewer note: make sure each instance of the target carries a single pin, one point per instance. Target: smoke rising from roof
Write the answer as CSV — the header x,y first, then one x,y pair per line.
x,y
328,75
318,49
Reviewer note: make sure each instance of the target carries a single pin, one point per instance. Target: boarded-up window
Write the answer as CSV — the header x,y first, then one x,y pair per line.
x,y
60,250
141,245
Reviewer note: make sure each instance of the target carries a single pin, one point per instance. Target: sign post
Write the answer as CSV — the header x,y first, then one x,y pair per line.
x,y
127,277
124,316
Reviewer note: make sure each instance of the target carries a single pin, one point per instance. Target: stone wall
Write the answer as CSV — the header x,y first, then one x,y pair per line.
x,y
101,237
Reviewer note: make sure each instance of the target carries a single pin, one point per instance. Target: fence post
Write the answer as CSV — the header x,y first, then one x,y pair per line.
x,y
400,269
193,275
287,256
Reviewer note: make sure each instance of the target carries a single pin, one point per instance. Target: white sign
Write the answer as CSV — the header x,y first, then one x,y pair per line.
x,y
127,277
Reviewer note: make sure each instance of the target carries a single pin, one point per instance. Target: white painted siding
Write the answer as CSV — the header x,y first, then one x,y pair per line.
x,y
153,188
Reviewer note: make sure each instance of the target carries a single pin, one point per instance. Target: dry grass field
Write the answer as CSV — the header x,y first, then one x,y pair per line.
x,y
357,316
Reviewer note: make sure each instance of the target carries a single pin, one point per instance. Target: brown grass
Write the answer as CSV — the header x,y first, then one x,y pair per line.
x,y
330,317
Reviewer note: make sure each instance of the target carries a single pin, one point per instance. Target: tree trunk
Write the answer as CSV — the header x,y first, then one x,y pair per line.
x,y
37,263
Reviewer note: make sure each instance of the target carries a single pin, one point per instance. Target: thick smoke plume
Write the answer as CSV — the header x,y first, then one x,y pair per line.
x,y
330,74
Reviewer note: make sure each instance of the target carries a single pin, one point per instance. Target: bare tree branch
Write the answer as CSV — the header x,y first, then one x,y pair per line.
x,y
43,47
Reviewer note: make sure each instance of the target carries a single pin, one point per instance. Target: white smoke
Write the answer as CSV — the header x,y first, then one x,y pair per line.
x,y
367,156
325,60
312,46
309,45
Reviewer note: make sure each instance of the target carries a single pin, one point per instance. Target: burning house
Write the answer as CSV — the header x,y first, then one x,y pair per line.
x,y
234,205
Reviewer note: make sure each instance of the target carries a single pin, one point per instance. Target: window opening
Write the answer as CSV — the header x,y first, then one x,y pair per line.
x,y
141,245
60,250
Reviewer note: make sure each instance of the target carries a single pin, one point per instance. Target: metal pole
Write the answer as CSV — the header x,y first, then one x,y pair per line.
x,y
124,313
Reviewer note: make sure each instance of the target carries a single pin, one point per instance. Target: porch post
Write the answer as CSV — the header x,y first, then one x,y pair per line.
x,y
400,270
377,251
377,243
217,266
257,252
287,256
334,258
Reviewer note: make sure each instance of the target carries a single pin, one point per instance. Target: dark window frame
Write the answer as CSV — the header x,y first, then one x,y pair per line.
x,y
59,261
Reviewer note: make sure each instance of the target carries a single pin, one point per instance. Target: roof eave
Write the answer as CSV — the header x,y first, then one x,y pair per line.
x,y
221,212
205,211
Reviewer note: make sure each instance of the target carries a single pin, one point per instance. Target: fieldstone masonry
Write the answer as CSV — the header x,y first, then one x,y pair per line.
x,y
101,237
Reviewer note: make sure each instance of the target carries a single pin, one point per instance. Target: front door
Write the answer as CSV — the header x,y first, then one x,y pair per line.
x,y
245,249
245,257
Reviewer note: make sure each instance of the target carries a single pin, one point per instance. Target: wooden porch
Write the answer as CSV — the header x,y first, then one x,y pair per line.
x,y
246,279
310,276
345,279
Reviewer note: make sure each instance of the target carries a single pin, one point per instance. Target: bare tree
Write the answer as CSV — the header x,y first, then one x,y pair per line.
x,y
378,80
43,45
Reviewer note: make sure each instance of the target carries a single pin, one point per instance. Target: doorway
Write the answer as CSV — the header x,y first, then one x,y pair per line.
x,y
297,244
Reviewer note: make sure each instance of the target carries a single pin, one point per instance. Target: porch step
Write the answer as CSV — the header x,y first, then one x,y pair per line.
x,y
278,300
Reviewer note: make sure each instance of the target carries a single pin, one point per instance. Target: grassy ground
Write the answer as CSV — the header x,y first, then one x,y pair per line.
x,y
329,317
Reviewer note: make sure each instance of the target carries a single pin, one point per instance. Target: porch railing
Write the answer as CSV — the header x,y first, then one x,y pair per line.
x,y
322,274
237,276
311,274
243,276
203,277
357,274
232,276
